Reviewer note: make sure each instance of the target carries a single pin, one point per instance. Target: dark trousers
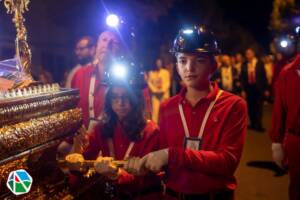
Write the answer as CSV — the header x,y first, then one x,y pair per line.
x,y
255,106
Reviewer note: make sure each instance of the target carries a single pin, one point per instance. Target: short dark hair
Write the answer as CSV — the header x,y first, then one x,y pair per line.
x,y
134,123
91,40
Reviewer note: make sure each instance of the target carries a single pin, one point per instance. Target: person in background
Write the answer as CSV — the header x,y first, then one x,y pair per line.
x,y
84,51
279,62
227,76
239,60
89,81
159,85
43,76
255,83
269,68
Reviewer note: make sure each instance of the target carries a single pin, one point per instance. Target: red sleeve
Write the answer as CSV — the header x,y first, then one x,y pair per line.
x,y
152,140
279,112
224,160
125,177
150,144
75,79
94,147
162,137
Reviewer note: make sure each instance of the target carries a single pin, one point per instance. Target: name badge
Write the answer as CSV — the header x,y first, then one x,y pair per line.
x,y
192,143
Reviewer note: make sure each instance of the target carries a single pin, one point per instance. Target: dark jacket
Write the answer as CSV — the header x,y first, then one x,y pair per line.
x,y
260,76
236,86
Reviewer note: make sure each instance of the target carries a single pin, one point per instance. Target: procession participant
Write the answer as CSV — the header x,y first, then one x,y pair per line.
x,y
203,128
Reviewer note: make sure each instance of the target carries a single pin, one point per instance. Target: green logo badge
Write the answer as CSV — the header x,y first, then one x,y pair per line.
x,y
19,182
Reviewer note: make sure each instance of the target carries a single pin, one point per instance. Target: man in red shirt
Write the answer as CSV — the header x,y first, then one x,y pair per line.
x,y
285,132
202,129
89,81
84,51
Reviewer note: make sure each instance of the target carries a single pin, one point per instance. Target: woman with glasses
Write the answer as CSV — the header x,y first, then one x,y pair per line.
x,y
123,132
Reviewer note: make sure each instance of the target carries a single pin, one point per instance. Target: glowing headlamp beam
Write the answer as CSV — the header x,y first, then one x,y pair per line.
x,y
283,43
119,71
112,20
188,31
297,29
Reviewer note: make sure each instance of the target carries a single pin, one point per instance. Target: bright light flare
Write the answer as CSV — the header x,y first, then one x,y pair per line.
x,y
297,29
119,71
188,31
283,43
112,20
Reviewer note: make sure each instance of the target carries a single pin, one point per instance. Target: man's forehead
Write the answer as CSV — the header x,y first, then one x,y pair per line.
x,y
110,35
83,42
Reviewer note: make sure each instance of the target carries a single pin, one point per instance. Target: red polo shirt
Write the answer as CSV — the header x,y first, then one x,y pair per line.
x,y
81,80
286,111
148,143
210,169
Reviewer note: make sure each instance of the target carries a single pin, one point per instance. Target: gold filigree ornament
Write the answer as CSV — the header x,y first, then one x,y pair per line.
x,y
23,52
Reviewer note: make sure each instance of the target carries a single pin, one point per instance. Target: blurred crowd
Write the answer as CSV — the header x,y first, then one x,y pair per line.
x,y
246,74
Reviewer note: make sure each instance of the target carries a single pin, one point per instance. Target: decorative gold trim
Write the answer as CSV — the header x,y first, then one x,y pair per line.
x,y
21,112
22,136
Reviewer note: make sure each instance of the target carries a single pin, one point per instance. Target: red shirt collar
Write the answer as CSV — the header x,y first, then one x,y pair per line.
x,y
210,96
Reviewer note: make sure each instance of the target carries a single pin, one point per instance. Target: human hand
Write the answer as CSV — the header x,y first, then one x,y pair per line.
x,y
104,166
278,154
134,166
155,161
74,161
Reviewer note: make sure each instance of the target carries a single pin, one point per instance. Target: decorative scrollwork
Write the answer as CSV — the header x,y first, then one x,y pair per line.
x,y
23,52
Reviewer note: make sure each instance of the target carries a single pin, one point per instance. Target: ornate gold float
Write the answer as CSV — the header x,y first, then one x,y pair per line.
x,y
34,119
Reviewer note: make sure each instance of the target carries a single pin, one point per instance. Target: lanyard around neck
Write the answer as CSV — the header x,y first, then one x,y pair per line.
x,y
91,96
112,149
208,111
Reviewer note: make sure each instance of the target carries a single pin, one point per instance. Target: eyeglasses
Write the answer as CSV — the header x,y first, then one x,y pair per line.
x,y
123,98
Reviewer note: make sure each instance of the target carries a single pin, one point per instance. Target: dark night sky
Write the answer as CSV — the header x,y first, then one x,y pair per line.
x,y
54,25
253,15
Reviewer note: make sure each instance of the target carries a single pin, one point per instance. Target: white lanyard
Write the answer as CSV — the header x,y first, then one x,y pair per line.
x,y
208,111
91,96
92,114
112,150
